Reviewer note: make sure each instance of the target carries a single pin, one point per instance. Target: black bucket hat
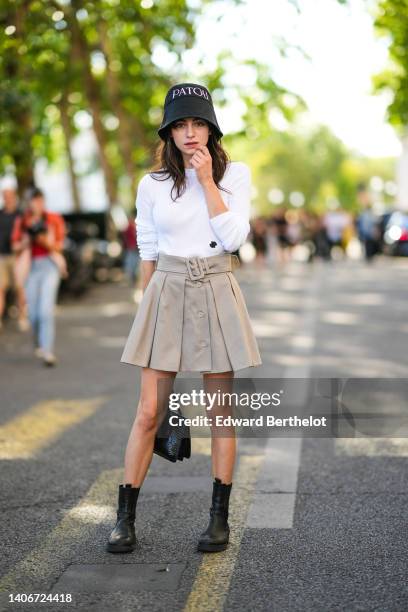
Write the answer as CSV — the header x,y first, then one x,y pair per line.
x,y
188,100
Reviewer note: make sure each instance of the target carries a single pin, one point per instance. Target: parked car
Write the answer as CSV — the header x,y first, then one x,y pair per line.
x,y
93,245
79,258
395,237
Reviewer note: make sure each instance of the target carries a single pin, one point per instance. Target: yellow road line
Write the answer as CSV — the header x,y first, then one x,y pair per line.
x,y
210,588
200,446
42,565
30,432
51,557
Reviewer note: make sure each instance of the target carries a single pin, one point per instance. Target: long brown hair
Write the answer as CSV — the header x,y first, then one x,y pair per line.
x,y
169,163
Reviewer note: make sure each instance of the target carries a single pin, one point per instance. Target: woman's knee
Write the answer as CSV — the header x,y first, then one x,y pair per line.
x,y
146,416
156,386
46,317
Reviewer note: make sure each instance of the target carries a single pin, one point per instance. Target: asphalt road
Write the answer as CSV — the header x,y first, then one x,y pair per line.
x,y
317,524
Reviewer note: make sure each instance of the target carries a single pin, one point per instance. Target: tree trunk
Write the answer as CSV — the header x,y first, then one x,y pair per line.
x,y
24,172
20,115
130,129
93,96
67,129
401,174
124,131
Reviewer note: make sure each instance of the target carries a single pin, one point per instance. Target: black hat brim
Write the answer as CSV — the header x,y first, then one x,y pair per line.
x,y
188,107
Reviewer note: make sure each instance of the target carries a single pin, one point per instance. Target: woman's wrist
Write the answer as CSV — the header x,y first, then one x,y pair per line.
x,y
208,183
215,203
148,268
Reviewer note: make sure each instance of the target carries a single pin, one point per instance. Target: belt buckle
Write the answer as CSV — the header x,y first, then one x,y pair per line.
x,y
197,267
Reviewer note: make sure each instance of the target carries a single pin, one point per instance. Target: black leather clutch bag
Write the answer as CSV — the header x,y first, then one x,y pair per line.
x,y
173,442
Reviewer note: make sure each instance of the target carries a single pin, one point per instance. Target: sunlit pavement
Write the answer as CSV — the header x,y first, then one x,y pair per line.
x,y
317,524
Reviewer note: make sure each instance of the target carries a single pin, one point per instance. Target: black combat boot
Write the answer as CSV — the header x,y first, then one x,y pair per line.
x,y
215,537
123,537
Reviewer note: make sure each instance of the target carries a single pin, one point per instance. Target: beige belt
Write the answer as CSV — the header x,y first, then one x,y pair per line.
x,y
197,267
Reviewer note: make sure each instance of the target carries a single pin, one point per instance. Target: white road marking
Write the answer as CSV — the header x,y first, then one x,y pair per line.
x,y
371,447
273,503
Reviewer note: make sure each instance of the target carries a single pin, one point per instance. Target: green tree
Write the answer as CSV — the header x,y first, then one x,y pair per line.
x,y
315,163
392,22
50,52
58,57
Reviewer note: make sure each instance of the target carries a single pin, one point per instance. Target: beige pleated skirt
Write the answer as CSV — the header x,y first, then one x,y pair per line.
x,y
192,318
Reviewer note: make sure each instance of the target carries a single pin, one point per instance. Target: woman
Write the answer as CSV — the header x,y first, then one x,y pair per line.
x,y
259,239
38,238
8,269
131,257
192,316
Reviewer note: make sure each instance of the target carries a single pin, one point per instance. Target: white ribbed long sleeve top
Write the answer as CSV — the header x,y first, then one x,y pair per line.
x,y
183,227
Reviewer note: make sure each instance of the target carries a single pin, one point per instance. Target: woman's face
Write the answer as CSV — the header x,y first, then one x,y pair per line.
x,y
189,133
37,206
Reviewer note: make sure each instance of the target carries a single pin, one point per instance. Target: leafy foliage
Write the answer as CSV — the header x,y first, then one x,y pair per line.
x,y
60,59
392,22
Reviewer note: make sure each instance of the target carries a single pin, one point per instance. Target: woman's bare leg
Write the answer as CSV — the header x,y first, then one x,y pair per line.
x,y
223,440
139,450
21,303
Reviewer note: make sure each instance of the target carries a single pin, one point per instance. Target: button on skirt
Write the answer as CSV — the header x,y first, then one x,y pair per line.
x,y
192,318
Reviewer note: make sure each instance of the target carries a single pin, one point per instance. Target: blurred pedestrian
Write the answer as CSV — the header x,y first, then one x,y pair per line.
x,y
319,238
259,239
38,235
309,227
9,278
271,240
335,222
131,258
281,223
294,228
369,231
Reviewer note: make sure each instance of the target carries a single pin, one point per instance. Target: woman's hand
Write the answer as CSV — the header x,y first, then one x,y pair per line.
x,y
202,162
46,239
24,243
147,268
